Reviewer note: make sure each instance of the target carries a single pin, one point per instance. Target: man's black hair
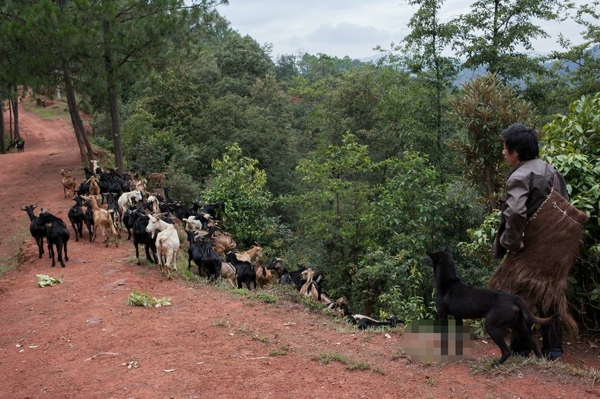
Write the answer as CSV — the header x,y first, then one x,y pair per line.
x,y
523,140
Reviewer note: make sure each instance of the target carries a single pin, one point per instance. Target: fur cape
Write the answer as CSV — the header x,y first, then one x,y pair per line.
x,y
538,272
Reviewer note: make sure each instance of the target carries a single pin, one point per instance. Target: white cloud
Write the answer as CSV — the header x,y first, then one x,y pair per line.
x,y
345,27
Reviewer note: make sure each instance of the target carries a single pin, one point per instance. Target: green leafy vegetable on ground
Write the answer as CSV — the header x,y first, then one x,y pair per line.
x,y
44,281
137,298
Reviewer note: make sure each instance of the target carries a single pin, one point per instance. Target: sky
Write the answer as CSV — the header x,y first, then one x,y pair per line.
x,y
347,27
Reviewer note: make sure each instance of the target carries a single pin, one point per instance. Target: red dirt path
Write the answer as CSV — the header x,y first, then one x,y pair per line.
x,y
76,339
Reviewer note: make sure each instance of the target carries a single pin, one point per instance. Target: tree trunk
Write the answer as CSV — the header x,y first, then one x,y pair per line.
x,y
10,115
113,100
2,138
84,148
15,109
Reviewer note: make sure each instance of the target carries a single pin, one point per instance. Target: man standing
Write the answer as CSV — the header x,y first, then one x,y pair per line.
x,y
526,236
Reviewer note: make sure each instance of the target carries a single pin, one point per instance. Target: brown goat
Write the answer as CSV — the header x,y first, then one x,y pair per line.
x,y
140,185
222,242
263,275
68,183
157,179
102,221
229,273
250,255
94,187
310,288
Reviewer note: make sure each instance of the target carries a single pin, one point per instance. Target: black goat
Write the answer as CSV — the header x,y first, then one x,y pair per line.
x,y
194,251
210,261
214,210
88,219
20,145
57,235
36,228
129,219
195,210
180,210
111,200
140,236
246,274
294,277
77,217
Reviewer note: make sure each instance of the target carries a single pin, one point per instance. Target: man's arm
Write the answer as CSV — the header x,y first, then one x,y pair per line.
x,y
515,214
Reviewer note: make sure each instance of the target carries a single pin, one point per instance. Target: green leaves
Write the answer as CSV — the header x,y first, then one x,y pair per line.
x,y
237,182
137,298
572,144
47,281
483,109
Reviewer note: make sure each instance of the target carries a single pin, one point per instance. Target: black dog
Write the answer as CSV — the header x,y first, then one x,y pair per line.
x,y
500,309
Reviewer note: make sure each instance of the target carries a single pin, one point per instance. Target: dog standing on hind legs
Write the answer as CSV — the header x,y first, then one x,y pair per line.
x,y
501,310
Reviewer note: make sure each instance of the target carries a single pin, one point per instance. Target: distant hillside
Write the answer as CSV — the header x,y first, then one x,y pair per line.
x,y
465,75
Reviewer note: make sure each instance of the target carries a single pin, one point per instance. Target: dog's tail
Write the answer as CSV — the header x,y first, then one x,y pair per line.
x,y
531,319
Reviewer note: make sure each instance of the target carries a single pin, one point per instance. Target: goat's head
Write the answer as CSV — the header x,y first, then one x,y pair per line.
x,y
307,274
342,301
259,251
25,207
275,263
153,223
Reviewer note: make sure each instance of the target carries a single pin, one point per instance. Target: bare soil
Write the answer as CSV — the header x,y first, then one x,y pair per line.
x,y
78,339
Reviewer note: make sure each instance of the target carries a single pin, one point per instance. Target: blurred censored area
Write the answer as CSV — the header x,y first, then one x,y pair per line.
x,y
438,340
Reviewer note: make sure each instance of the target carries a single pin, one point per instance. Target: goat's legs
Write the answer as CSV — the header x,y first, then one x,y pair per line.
x,y
76,232
40,243
51,253
60,256
66,256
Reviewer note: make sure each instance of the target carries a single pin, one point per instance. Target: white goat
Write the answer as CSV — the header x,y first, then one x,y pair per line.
x,y
167,243
192,224
94,165
127,199
154,202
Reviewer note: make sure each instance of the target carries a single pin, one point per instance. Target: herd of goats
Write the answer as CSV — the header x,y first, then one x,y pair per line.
x,y
116,202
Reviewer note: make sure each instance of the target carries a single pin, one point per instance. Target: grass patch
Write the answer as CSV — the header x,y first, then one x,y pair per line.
x,y
241,291
12,261
326,358
58,110
187,275
286,292
281,351
266,298
310,304
221,323
261,338
514,364
350,363
243,329
360,366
